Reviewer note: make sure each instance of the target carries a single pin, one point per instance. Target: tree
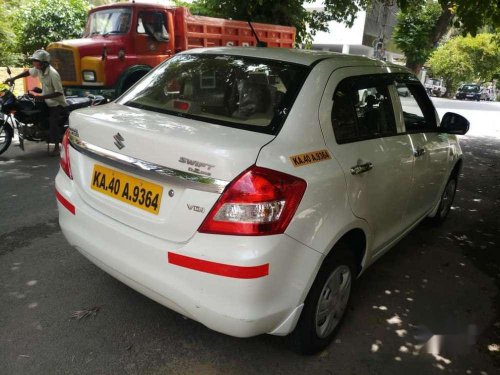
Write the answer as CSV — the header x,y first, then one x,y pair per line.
x,y
466,59
7,36
413,33
421,26
467,15
96,3
40,22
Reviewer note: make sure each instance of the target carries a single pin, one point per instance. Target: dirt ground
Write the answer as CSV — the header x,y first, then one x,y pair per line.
x,y
479,239
19,89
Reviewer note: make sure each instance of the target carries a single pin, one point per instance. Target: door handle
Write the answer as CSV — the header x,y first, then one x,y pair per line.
x,y
419,152
361,168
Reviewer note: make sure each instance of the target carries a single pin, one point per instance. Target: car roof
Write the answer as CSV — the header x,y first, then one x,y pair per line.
x,y
296,56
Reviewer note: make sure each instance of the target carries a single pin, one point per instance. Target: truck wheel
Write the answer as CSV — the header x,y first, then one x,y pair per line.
x,y
326,303
6,134
131,80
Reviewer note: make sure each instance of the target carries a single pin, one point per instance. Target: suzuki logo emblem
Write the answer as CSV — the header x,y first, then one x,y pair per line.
x,y
119,141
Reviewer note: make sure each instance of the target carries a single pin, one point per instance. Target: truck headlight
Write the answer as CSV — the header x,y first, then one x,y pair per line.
x,y
88,75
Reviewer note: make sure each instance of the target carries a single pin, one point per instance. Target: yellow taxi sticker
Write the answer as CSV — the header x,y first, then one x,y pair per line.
x,y
309,158
134,191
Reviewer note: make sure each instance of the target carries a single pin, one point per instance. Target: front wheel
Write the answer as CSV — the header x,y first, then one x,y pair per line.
x,y
326,303
446,200
6,134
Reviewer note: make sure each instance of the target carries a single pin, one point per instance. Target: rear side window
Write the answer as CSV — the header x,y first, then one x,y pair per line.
x,y
247,93
362,109
153,24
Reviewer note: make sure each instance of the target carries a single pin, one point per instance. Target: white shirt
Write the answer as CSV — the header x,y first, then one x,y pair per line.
x,y
51,83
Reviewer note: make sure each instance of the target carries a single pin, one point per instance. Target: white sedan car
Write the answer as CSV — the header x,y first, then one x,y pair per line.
x,y
247,188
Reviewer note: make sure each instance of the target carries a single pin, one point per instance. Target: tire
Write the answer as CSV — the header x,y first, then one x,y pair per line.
x,y
315,329
6,134
446,200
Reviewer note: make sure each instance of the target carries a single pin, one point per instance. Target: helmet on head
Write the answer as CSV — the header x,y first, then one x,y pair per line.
x,y
41,55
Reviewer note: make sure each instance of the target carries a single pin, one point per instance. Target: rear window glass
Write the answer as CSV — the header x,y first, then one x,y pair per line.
x,y
247,93
470,88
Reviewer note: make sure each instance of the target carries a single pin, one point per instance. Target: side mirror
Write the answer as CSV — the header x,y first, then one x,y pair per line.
x,y
8,71
453,123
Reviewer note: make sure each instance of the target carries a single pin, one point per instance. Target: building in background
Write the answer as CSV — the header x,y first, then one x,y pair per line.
x,y
368,36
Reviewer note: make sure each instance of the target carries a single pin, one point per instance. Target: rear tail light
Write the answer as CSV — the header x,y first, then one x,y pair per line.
x,y
183,106
64,162
258,202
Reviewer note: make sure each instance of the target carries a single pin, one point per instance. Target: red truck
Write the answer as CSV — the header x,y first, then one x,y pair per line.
x,y
124,41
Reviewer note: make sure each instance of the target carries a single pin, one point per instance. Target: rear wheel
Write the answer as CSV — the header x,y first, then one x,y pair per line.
x,y
446,200
6,134
326,303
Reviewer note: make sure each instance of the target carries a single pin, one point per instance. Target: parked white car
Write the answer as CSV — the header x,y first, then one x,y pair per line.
x,y
247,188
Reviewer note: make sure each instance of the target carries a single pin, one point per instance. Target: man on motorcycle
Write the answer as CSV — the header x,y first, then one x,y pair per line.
x,y
52,93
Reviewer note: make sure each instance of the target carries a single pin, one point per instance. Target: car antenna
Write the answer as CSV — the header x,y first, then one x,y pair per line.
x,y
259,42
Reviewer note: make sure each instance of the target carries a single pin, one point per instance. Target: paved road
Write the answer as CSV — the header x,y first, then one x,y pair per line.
x,y
466,105
483,116
436,281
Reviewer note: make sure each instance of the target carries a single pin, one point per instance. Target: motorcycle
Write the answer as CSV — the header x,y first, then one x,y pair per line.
x,y
30,118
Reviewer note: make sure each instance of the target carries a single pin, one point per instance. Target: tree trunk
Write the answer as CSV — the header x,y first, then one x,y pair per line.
x,y
414,67
442,25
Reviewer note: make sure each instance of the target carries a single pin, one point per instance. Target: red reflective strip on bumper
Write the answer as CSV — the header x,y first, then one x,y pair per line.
x,y
220,269
65,202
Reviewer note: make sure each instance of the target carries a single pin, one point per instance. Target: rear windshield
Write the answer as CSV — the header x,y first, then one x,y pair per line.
x,y
248,93
470,88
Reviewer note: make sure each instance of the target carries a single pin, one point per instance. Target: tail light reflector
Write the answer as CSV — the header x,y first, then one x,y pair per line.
x,y
183,106
258,202
64,161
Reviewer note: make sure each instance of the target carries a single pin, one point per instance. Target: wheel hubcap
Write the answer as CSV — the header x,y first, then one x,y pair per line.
x,y
333,301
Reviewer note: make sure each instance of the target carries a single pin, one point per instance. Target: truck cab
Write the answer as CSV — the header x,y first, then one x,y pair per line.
x,y
120,44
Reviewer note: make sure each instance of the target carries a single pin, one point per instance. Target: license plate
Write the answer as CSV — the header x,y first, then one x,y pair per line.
x,y
134,191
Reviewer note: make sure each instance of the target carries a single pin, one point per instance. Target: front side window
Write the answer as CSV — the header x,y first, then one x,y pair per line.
x,y
248,93
418,111
110,21
362,109
153,24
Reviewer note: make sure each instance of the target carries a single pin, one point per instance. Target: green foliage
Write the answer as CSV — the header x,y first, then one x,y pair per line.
x,y
40,22
467,15
96,3
471,15
8,57
282,12
466,59
413,32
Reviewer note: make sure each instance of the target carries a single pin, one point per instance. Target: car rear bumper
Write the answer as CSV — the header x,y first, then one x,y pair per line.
x,y
241,286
